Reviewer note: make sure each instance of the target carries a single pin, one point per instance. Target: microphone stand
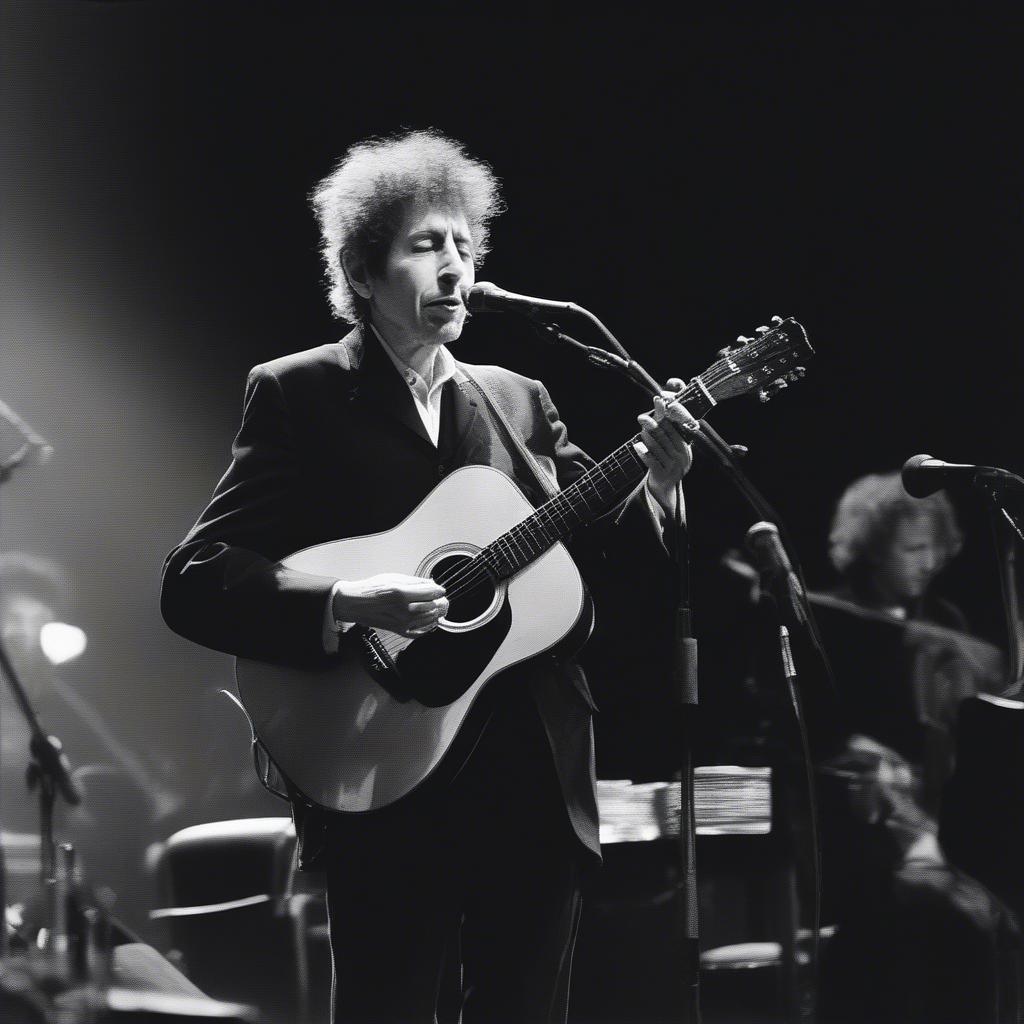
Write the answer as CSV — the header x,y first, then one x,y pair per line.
x,y
724,456
790,617
50,771
7,469
708,441
1006,528
685,677
684,668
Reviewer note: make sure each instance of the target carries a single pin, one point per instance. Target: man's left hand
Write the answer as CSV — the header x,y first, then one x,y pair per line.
x,y
665,448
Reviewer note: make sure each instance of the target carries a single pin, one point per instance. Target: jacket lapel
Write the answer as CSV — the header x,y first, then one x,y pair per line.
x,y
464,417
380,383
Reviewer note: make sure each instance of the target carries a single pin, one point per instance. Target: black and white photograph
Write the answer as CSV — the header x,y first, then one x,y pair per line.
x,y
511,515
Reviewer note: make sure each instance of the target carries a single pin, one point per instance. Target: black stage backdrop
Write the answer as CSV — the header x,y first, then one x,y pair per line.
x,y
685,179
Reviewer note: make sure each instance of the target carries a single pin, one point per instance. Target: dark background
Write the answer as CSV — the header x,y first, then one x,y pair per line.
x,y
685,179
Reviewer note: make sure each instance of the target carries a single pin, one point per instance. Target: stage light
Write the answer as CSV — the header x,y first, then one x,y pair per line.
x,y
61,643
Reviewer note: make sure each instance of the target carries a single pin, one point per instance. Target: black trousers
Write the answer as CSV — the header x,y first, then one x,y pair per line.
x,y
484,878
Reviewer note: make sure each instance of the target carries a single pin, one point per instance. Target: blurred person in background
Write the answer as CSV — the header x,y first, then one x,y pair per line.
x,y
917,940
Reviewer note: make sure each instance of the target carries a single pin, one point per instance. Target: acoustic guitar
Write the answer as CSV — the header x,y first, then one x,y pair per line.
x,y
373,727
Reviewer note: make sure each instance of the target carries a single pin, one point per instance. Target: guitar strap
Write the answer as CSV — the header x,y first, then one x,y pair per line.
x,y
543,478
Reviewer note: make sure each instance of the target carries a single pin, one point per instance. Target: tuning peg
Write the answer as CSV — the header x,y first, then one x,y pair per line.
x,y
776,320
766,394
762,329
741,340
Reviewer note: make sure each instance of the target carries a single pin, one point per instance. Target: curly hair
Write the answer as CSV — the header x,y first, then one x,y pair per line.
x,y
361,203
867,515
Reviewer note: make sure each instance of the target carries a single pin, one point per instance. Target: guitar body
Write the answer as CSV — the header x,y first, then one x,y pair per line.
x,y
352,737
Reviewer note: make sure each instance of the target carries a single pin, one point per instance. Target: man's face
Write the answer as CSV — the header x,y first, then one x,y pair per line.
x,y
418,300
912,560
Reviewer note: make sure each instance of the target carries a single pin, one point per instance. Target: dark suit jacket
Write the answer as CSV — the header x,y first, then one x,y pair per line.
x,y
331,446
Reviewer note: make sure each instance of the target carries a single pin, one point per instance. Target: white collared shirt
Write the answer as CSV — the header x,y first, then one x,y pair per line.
x,y
427,397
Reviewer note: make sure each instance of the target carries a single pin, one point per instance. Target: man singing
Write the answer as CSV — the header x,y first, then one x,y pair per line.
x,y
345,440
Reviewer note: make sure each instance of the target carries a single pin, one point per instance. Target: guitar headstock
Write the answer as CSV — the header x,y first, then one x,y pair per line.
x,y
765,364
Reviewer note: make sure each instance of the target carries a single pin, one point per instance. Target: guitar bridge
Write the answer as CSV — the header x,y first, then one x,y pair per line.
x,y
381,665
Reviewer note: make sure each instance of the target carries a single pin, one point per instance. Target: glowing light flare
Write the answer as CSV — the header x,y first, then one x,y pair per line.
x,y
61,642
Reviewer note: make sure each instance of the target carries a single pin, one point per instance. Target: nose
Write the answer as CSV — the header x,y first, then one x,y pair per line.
x,y
450,269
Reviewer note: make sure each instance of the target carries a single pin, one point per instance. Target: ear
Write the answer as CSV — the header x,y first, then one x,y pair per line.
x,y
357,276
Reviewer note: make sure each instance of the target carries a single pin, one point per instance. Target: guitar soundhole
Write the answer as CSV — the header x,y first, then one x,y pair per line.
x,y
470,591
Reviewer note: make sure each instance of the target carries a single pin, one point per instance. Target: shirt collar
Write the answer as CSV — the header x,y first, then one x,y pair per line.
x,y
444,366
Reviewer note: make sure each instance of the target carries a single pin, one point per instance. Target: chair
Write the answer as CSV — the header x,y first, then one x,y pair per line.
x,y
240,930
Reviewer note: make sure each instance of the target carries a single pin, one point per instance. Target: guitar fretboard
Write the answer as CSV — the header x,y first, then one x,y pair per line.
x,y
589,497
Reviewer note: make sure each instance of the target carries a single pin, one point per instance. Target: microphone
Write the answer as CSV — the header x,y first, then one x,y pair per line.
x,y
922,475
40,450
777,576
485,297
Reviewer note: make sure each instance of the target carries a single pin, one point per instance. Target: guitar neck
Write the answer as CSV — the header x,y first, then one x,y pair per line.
x,y
587,499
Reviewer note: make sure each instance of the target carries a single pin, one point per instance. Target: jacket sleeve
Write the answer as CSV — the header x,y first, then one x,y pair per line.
x,y
223,586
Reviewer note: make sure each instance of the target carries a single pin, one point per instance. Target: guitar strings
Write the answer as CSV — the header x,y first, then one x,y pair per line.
x,y
473,573
718,372
553,509
712,376
470,575
462,580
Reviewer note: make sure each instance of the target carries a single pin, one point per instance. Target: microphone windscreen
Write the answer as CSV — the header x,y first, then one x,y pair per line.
x,y
759,535
765,547
477,297
918,481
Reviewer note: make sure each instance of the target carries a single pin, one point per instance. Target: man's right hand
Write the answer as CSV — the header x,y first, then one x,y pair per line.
x,y
409,605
